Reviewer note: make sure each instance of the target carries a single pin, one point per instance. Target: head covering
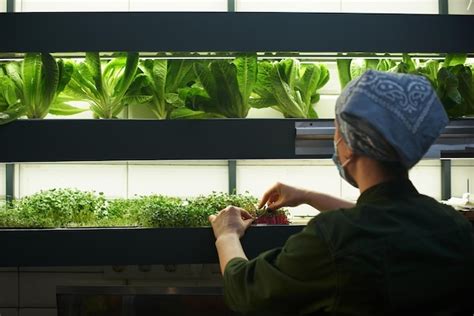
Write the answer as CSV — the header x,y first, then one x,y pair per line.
x,y
390,117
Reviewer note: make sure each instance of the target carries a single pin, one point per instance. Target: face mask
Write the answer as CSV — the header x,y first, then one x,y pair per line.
x,y
340,167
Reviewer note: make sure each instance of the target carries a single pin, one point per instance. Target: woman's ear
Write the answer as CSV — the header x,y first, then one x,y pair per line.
x,y
345,150
352,155
349,152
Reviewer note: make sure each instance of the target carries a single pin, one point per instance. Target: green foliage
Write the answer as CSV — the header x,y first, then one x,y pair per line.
x,y
224,88
32,87
185,89
74,208
10,106
103,84
456,90
9,217
56,208
158,83
217,201
161,211
289,87
452,80
120,212
350,69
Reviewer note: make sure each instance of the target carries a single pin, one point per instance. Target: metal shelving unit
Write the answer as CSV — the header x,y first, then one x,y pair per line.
x,y
205,139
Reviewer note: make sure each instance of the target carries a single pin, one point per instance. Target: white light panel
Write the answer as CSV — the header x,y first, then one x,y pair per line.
x,y
177,180
461,172
390,6
71,5
2,183
326,106
333,86
461,7
256,177
288,6
426,177
111,178
178,5
348,192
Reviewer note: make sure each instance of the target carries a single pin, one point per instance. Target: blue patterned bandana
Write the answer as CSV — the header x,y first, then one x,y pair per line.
x,y
390,117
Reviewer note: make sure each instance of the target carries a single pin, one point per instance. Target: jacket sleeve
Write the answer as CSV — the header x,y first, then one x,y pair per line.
x,y
299,276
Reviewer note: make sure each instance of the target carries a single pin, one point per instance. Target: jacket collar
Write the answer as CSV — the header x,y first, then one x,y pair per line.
x,y
389,189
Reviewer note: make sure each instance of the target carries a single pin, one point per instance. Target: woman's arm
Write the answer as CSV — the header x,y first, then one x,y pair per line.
x,y
281,195
325,202
228,248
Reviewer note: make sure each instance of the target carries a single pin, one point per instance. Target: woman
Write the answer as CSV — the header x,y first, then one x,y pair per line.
x,y
394,251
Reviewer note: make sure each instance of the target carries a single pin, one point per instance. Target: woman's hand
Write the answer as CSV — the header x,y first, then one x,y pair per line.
x,y
281,195
230,221
229,225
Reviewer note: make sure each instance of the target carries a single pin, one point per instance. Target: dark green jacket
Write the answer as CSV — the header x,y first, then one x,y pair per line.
x,y
396,252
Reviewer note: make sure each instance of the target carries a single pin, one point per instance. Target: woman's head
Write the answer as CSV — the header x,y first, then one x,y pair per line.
x,y
392,118
346,161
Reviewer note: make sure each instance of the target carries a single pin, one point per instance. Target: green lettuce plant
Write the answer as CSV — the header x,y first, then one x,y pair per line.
x,y
352,68
223,89
452,79
32,88
102,83
10,106
455,88
289,87
158,83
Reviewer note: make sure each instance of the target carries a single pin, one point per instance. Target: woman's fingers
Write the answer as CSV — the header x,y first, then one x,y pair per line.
x,y
269,195
245,214
248,223
230,220
273,205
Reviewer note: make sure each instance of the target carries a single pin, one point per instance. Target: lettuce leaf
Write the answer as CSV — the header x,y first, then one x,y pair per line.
x,y
158,83
32,87
223,88
103,84
289,87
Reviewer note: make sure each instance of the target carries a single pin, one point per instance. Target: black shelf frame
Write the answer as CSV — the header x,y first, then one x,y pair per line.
x,y
128,246
213,139
236,32
108,140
